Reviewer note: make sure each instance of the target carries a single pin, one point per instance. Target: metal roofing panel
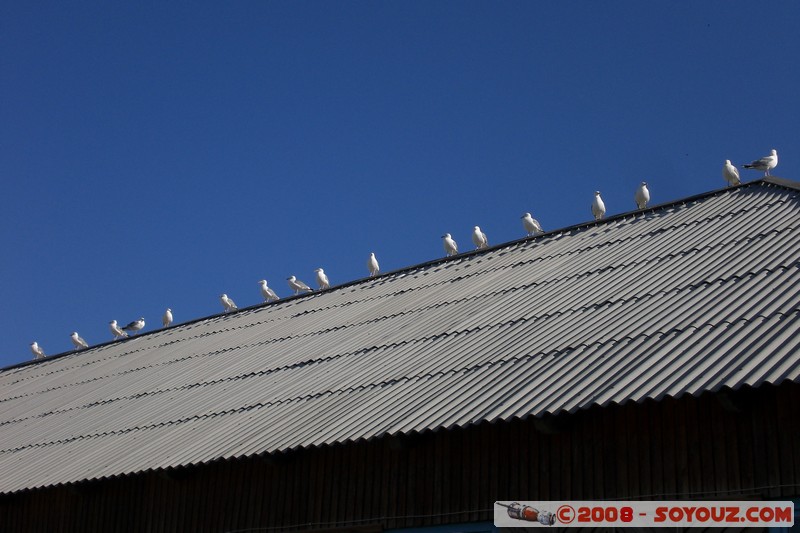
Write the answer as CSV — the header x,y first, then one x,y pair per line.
x,y
684,298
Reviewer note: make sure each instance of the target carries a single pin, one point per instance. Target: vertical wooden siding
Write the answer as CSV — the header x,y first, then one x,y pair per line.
x,y
747,446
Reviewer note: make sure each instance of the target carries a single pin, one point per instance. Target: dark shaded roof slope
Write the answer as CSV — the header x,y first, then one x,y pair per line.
x,y
683,298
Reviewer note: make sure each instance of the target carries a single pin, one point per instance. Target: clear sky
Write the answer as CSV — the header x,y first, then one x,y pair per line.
x,y
158,154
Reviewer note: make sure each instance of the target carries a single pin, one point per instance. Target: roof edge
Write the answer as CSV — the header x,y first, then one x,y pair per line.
x,y
772,180
782,182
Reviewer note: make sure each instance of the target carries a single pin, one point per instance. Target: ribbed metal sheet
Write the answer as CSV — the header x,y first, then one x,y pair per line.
x,y
685,298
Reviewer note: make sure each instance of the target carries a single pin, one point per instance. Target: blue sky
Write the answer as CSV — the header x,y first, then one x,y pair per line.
x,y
158,154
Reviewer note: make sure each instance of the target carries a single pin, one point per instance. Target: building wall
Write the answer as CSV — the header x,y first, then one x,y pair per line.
x,y
734,445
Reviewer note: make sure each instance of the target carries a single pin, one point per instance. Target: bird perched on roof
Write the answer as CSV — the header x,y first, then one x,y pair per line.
x,y
766,163
450,246
598,207
136,325
479,238
268,294
298,285
118,333
78,341
642,195
322,279
37,351
531,225
372,265
166,320
227,304
731,174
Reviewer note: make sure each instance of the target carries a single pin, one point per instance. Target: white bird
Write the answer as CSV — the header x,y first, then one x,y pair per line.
x,y
37,351
166,320
135,326
642,196
322,279
78,341
268,294
598,207
118,333
450,246
531,225
479,238
372,265
766,163
227,303
298,285
731,174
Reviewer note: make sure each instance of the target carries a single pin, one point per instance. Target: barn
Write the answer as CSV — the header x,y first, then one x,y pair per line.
x,y
652,355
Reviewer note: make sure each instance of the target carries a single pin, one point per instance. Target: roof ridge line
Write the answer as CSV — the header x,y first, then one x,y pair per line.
x,y
772,180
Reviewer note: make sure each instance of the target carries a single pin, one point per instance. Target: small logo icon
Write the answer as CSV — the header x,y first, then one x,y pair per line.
x,y
529,514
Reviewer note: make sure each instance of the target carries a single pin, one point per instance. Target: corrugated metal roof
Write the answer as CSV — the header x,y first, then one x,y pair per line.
x,y
693,296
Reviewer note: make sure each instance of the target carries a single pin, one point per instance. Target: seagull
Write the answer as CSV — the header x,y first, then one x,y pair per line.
x,y
642,196
268,294
766,163
135,326
450,246
37,351
322,279
479,238
531,225
298,285
166,320
598,207
78,341
118,333
227,303
372,265
731,174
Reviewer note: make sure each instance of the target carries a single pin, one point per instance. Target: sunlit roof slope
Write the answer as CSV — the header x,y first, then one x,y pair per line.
x,y
693,296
